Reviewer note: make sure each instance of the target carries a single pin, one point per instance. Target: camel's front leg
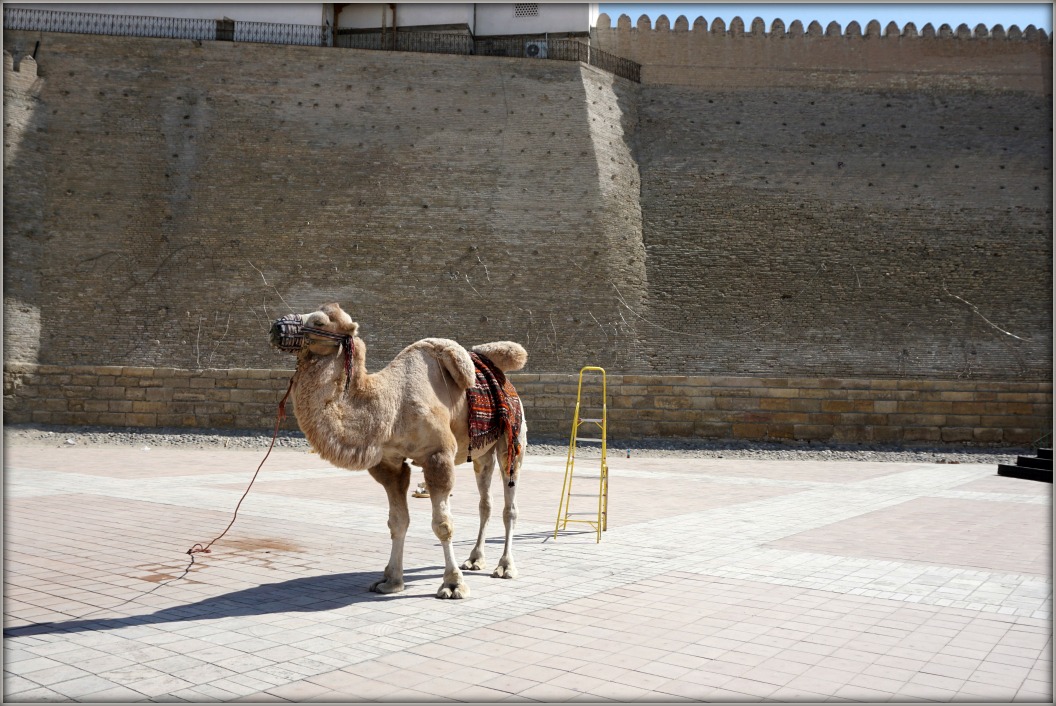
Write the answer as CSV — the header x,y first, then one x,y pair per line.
x,y
483,468
396,479
439,473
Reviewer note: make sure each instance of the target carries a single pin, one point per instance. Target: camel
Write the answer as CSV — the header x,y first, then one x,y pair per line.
x,y
415,408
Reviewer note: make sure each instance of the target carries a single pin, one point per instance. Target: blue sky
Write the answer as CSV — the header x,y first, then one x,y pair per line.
x,y
953,14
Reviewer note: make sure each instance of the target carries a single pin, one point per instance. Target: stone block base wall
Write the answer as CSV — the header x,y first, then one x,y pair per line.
x,y
98,395
836,410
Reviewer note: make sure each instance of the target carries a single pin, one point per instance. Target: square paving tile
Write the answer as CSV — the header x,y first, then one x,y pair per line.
x,y
717,580
994,536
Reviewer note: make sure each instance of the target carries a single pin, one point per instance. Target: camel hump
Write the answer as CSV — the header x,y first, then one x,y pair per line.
x,y
452,357
506,355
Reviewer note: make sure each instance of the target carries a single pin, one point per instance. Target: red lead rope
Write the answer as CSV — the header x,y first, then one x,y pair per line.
x,y
198,548
342,339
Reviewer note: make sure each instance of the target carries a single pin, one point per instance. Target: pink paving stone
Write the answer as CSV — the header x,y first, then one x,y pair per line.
x,y
977,534
810,471
259,697
134,462
857,693
548,693
119,694
472,693
668,496
750,687
1004,484
157,541
920,691
702,617
355,486
869,682
618,692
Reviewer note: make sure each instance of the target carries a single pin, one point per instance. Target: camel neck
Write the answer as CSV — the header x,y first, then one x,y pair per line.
x,y
330,369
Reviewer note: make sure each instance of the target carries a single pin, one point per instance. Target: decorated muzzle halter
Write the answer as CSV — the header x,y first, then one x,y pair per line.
x,y
288,335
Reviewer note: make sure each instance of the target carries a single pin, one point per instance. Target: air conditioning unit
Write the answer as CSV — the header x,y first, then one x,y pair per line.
x,y
535,49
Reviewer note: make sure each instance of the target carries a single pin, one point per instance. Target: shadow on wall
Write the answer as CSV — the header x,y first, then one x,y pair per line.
x,y
25,122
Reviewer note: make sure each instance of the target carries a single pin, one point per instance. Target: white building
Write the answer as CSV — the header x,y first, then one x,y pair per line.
x,y
476,19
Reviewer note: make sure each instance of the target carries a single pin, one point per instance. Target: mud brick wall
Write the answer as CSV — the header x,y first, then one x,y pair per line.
x,y
821,202
188,193
170,198
782,206
842,410
23,209
847,233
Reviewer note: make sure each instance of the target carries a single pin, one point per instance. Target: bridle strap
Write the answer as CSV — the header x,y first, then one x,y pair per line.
x,y
340,339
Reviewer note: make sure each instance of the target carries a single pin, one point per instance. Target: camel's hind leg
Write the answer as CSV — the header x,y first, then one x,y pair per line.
x,y
483,469
439,471
506,569
396,479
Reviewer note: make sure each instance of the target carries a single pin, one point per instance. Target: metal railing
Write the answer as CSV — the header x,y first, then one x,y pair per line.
x,y
269,33
316,36
164,27
522,47
431,42
559,50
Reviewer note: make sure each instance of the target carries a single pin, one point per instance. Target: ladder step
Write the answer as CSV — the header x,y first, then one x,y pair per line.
x,y
587,406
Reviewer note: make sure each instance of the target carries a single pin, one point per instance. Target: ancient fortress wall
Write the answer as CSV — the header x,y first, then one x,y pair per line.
x,y
826,203
789,235
710,54
23,208
189,193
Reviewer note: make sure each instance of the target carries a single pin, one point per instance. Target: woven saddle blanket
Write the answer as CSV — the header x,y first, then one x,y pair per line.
x,y
494,409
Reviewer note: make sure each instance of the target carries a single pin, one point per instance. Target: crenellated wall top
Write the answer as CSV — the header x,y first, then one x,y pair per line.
x,y
778,28
21,76
27,66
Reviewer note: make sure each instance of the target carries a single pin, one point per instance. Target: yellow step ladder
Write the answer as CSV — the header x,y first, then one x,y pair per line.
x,y
564,513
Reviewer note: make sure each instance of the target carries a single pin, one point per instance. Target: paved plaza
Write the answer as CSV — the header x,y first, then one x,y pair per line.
x,y
717,580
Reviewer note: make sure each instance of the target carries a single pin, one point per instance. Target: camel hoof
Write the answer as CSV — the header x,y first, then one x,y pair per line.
x,y
386,586
473,564
449,590
504,571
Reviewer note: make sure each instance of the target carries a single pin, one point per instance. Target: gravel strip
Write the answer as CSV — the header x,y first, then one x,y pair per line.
x,y
55,435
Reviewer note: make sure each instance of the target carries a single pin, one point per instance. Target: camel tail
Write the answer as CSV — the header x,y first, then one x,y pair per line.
x,y
506,355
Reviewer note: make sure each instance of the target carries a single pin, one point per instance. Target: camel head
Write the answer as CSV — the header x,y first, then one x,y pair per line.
x,y
319,332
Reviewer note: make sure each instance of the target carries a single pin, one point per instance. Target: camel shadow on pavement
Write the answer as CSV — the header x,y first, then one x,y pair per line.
x,y
301,595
